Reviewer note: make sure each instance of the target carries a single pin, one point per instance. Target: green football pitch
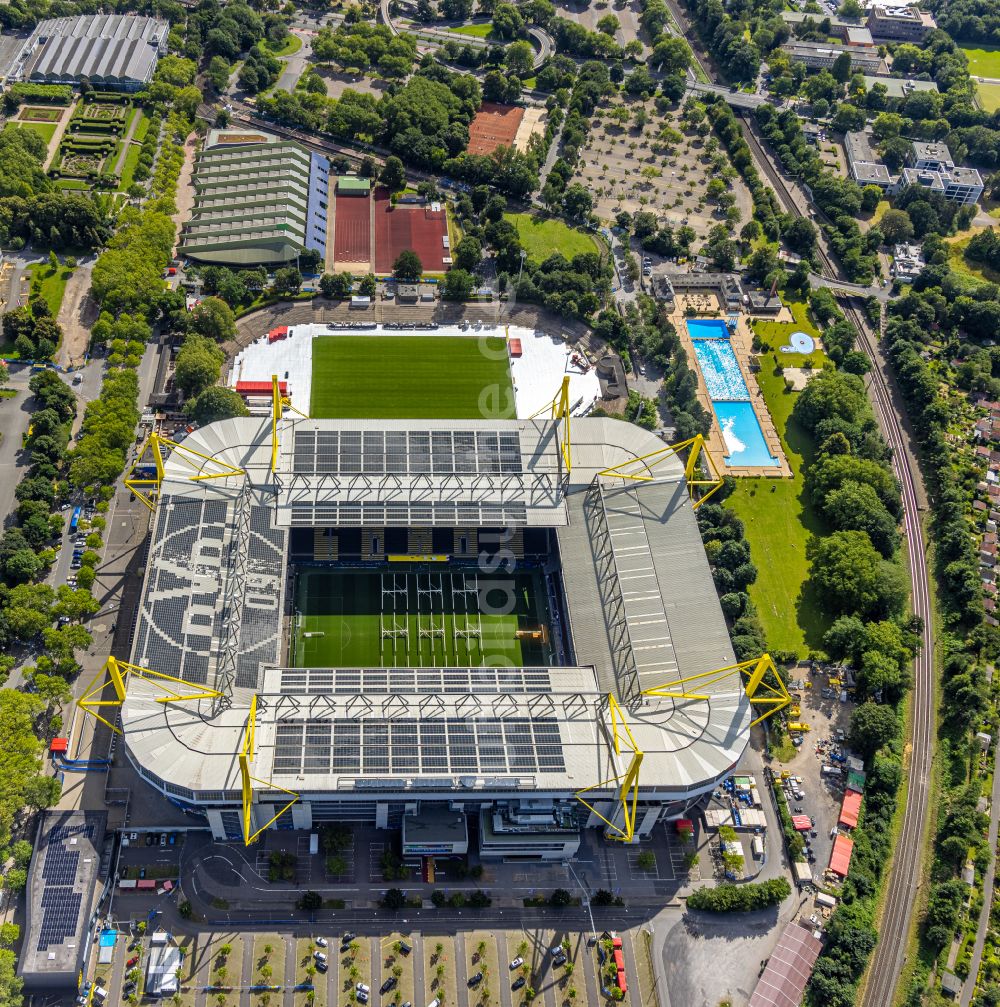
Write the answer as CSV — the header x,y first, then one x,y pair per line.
x,y
412,619
411,377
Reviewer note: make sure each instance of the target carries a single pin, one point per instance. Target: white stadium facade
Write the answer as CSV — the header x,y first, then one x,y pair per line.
x,y
532,754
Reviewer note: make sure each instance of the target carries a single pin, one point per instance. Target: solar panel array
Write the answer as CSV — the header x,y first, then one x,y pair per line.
x,y
60,904
406,513
418,746
406,452
429,681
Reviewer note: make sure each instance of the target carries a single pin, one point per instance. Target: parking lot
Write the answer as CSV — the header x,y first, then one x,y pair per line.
x,y
637,158
821,793
473,968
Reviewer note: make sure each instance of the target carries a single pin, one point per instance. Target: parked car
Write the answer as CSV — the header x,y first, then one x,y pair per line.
x,y
389,984
516,963
560,959
517,983
404,949
321,942
134,960
362,988
362,998
348,937
475,980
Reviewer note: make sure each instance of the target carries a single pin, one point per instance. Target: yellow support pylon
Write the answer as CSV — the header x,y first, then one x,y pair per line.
x,y
147,488
245,758
279,403
627,783
558,409
648,462
763,686
117,672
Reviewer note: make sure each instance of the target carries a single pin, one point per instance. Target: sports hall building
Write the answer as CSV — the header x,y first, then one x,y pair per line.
x,y
334,607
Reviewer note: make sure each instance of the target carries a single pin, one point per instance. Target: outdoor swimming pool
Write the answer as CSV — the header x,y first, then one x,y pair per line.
x,y
730,396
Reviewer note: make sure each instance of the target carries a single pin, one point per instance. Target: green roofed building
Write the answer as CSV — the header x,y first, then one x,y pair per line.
x,y
258,201
351,185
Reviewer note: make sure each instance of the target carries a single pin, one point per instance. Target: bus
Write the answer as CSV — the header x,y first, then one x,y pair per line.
x,y
75,519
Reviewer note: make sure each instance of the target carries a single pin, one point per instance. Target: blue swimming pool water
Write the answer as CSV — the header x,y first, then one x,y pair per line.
x,y
729,394
743,436
707,328
721,370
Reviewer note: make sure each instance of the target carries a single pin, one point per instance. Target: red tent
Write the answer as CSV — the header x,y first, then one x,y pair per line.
x,y
514,345
281,332
684,824
616,942
840,858
622,983
802,822
245,388
59,745
850,809
619,961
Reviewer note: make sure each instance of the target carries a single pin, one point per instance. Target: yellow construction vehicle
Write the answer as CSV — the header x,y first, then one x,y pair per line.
x,y
796,726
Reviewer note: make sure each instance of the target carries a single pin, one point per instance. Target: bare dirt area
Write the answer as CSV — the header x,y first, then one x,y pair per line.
x,y
77,314
588,16
184,199
337,83
637,158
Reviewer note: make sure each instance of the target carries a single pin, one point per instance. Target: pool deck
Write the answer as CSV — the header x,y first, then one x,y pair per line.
x,y
741,340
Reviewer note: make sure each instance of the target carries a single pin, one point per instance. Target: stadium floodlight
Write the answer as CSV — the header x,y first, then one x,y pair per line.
x,y
627,782
245,757
146,485
641,469
116,674
763,685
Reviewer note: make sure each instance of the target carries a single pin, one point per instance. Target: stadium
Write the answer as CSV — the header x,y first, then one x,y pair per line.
x,y
393,620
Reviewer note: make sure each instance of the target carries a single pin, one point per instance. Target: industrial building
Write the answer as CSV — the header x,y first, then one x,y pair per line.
x,y
117,52
63,889
601,729
258,201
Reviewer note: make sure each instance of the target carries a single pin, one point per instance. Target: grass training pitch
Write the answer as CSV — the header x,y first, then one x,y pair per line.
x,y
411,377
541,238
431,620
984,61
989,96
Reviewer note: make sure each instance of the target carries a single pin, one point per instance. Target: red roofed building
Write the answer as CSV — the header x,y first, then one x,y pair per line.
x,y
850,809
802,822
840,856
246,388
783,982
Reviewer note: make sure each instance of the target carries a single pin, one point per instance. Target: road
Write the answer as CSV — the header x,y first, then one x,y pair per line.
x,y
296,63
969,987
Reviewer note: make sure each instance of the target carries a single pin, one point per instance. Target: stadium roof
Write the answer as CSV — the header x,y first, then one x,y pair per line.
x,y
114,50
214,598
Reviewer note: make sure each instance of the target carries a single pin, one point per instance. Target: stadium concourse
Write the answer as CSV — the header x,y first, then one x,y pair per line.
x,y
405,539
535,375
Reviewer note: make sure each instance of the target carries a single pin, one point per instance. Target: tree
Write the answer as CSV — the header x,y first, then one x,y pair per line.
x,y
311,901
841,69
560,897
407,268
214,319
852,578
368,285
394,898
197,365
520,58
336,286
896,226
507,21
457,285
393,175
287,280
872,726
608,24
646,861
217,403
468,253
577,202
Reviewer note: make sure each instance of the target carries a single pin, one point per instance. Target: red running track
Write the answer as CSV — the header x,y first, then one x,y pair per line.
x,y
415,227
352,229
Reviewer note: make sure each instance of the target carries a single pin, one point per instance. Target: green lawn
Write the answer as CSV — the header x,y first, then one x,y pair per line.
x,y
411,377
778,519
71,183
339,622
40,113
292,45
989,96
141,128
984,61
132,156
52,282
541,237
475,30
46,130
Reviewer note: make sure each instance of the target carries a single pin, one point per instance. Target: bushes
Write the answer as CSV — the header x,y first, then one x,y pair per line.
x,y
740,898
